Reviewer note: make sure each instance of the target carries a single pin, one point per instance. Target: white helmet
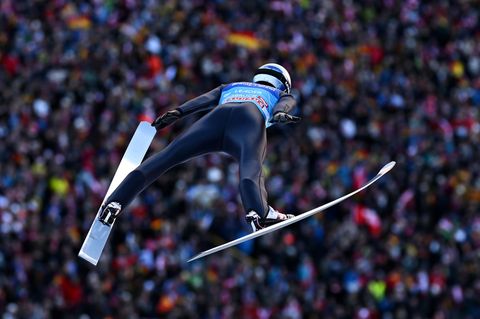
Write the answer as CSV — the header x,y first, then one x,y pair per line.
x,y
274,75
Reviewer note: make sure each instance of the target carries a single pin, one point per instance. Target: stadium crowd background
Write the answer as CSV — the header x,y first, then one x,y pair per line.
x,y
376,81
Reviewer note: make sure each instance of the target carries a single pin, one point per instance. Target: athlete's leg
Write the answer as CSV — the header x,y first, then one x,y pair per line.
x,y
202,137
252,187
246,141
252,184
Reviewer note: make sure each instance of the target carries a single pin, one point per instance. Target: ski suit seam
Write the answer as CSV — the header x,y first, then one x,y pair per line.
x,y
263,200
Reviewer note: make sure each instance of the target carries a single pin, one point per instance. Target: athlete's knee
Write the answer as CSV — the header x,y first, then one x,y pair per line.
x,y
250,169
136,178
248,183
157,164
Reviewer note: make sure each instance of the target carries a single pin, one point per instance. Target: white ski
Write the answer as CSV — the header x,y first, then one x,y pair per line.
x,y
137,148
385,169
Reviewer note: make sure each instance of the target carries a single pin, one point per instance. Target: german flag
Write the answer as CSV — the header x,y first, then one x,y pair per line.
x,y
79,22
245,39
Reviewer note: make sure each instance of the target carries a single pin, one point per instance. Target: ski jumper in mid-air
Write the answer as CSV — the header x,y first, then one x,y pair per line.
x,y
239,114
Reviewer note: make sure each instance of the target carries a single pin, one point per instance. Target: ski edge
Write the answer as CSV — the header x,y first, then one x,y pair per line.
x,y
384,170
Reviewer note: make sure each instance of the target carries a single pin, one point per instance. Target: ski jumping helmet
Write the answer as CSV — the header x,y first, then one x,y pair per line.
x,y
275,75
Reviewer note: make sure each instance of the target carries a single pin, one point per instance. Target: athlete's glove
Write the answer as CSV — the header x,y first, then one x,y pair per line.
x,y
166,119
282,117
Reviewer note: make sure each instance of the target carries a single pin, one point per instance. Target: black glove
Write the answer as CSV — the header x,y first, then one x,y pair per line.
x,y
166,119
282,117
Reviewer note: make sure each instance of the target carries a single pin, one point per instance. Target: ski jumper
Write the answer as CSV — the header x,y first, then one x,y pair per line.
x,y
236,124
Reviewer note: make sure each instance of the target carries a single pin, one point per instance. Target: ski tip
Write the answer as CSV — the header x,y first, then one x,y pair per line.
x,y
195,258
387,168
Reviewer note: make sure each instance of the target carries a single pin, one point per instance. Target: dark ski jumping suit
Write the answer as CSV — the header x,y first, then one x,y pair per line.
x,y
240,113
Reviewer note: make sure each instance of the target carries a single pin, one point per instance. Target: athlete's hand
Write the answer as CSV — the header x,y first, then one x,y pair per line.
x,y
282,117
166,119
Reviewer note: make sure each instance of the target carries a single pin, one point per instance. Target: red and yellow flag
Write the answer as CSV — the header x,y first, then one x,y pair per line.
x,y
245,39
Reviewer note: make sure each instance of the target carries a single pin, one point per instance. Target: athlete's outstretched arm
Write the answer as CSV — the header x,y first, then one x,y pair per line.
x,y
203,102
280,112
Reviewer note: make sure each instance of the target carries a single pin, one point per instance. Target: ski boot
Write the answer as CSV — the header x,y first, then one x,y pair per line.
x,y
109,213
273,217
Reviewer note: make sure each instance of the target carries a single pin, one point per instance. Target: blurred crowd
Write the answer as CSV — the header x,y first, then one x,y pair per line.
x,y
376,81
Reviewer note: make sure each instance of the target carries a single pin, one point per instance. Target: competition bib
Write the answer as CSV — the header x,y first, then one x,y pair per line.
x,y
264,97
